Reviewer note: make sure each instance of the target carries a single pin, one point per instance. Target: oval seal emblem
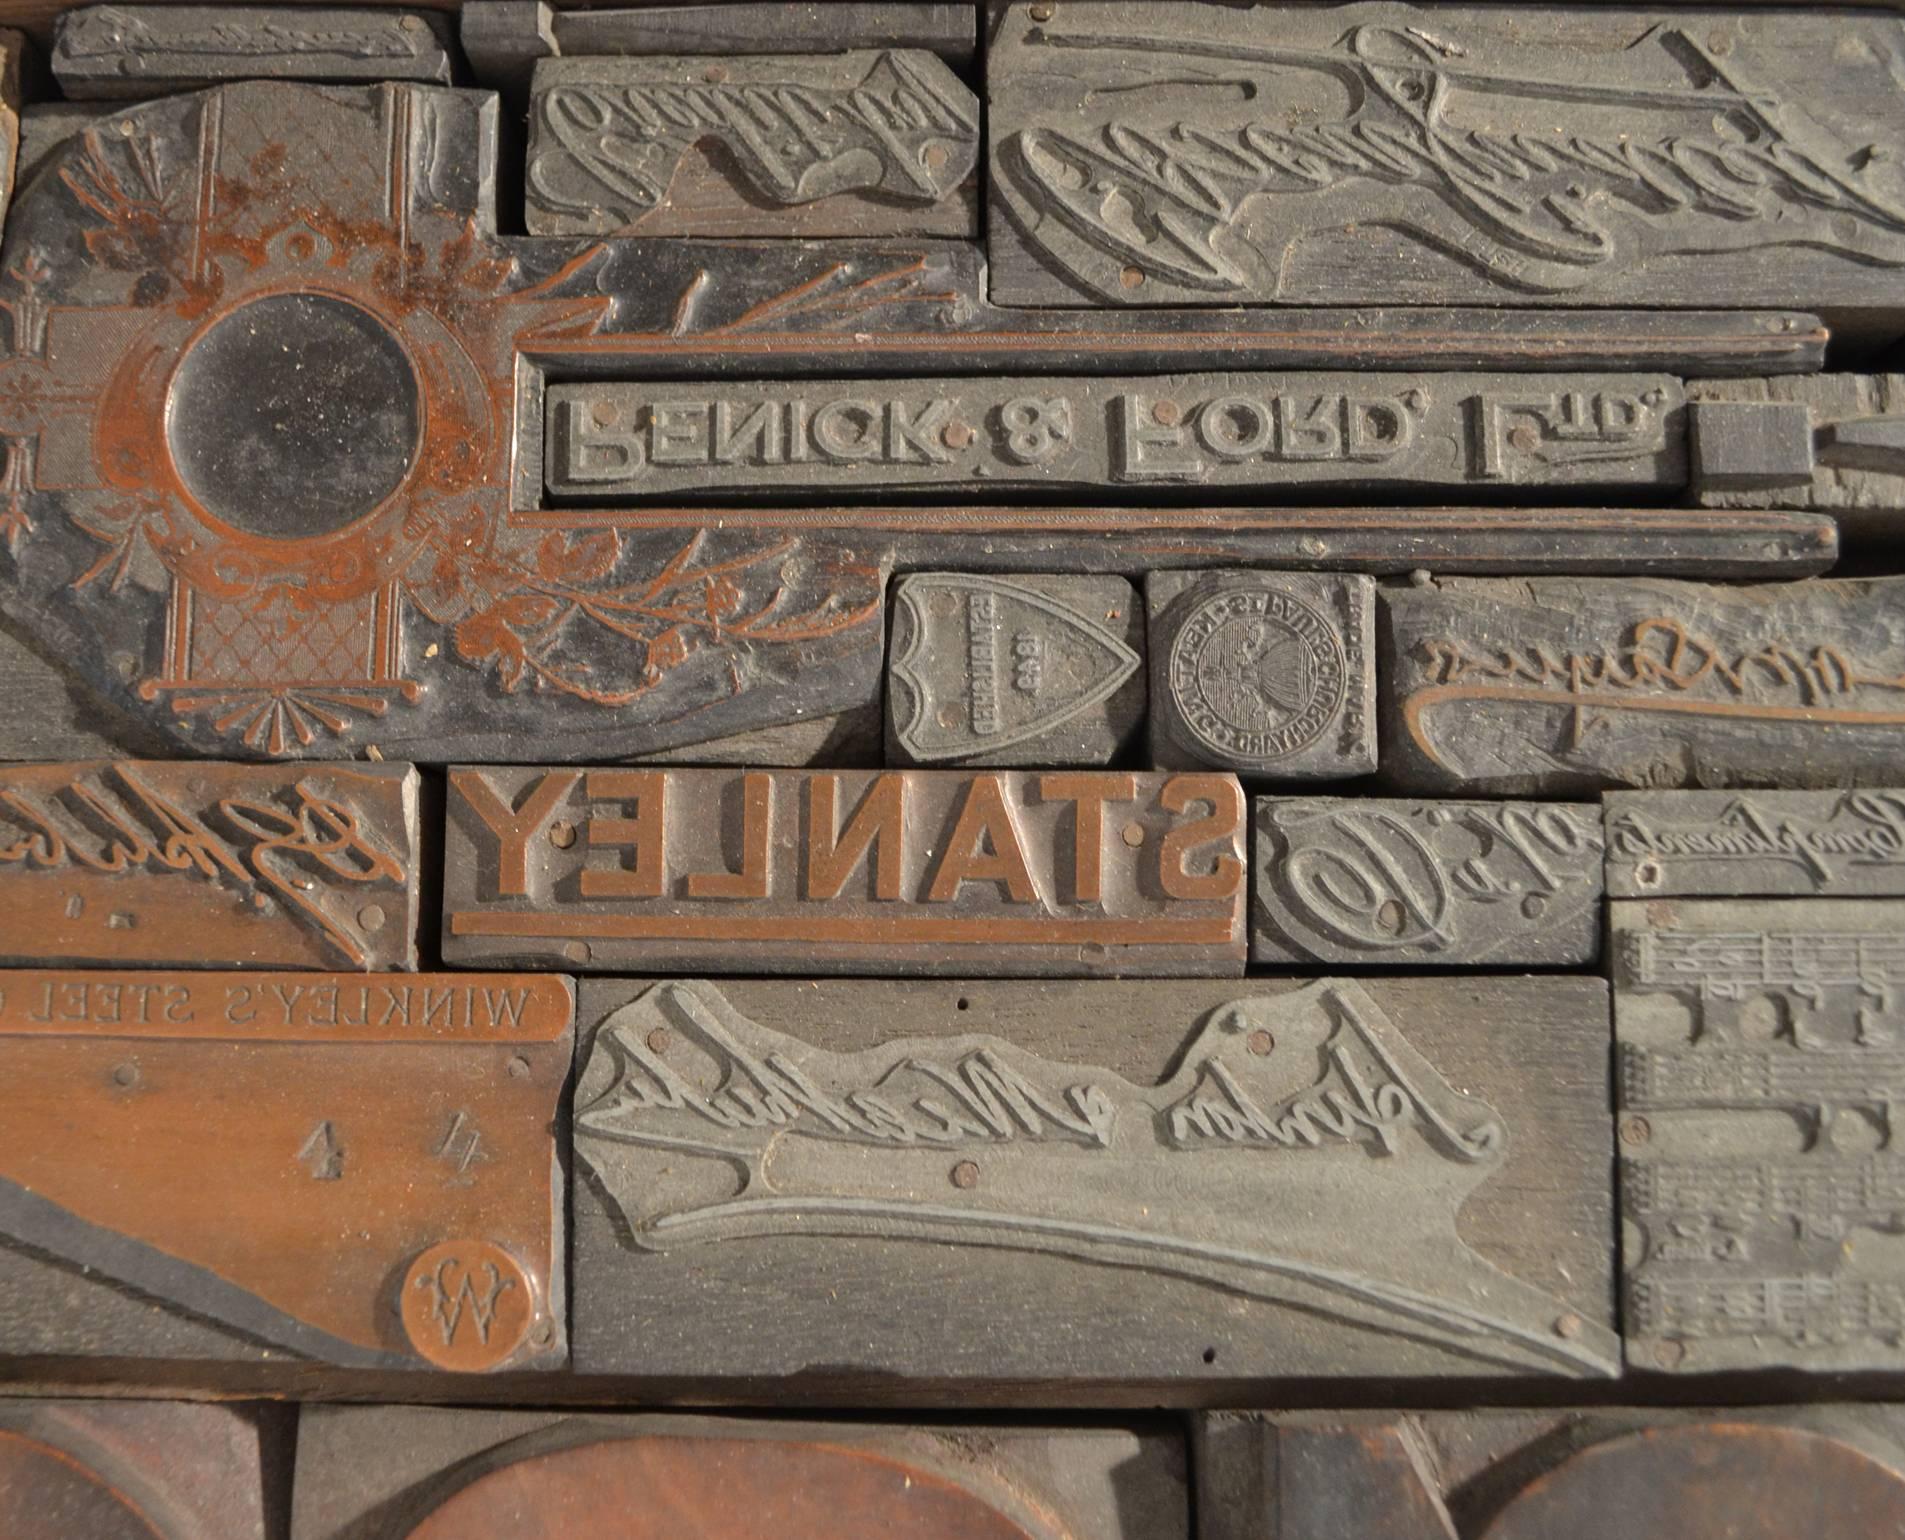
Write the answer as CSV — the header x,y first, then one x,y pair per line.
x,y
1257,675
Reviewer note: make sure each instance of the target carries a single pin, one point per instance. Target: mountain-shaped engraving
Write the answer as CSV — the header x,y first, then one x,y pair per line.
x,y
1301,1153
987,664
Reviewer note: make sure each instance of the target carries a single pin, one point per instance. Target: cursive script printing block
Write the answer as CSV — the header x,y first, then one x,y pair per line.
x,y
283,1169
1367,881
1556,686
1802,844
919,871
1295,154
1230,1180
200,864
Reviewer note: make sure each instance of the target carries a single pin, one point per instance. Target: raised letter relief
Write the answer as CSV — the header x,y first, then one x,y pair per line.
x,y
1815,844
1293,1132
1380,152
1760,1062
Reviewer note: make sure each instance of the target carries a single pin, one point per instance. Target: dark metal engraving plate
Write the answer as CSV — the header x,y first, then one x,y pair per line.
x,y
1549,687
1021,671
209,865
1378,153
932,872
1228,1180
1271,674
148,50
1759,1067
1812,844
1367,881
1238,431
284,1168
864,143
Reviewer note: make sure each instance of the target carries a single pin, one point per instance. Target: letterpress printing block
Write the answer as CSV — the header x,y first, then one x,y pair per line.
x,y
45,126
435,1472
1383,153
1811,844
197,864
873,142
131,1470
13,50
1270,674
148,50
1020,671
1749,1473
1061,873
1548,687
1256,431
1365,881
1834,442
1231,1181
1759,1065
283,1169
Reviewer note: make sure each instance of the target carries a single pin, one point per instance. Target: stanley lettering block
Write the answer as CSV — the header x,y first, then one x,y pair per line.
x,y
1159,1187
342,1169
209,865
927,872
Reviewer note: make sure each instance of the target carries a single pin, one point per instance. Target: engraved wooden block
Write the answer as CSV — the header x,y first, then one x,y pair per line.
x,y
45,126
1809,844
1382,153
922,871
198,864
132,1470
1255,431
1152,1189
13,53
1549,687
1804,437
1022,671
1759,1065
149,50
1749,1473
1270,674
867,143
540,1475
1370,882
287,1169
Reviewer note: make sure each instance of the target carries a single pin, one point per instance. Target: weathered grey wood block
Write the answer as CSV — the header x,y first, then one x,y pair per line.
x,y
1834,442
1061,873
1760,1198
1368,882
1749,1473
1034,670
1270,674
540,1474
1549,687
1807,844
1264,432
1376,153
868,143
1161,1188
46,126
149,50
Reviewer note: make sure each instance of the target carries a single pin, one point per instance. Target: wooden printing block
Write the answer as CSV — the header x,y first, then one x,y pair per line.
x,y
1149,1190
1280,433
1660,1474
430,1472
149,50
870,142
1772,844
1546,687
131,1470
903,871
1759,1065
1270,674
205,865
344,1169
1278,154
1834,442
1013,671
1365,881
